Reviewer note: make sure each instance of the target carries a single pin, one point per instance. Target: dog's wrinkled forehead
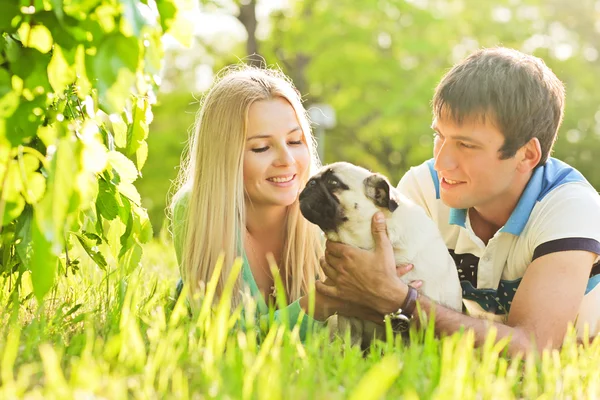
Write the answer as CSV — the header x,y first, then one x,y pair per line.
x,y
342,176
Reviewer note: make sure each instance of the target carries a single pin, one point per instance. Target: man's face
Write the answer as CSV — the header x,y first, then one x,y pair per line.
x,y
470,171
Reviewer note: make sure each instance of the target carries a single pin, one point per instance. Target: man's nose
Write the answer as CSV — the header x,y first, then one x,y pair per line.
x,y
444,158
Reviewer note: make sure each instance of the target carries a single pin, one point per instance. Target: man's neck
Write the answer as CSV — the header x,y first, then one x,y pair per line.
x,y
487,219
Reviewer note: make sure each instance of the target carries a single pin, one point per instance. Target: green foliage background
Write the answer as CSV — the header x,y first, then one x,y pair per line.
x,y
77,81
78,122
377,63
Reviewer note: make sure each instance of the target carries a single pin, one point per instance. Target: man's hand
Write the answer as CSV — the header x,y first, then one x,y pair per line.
x,y
366,278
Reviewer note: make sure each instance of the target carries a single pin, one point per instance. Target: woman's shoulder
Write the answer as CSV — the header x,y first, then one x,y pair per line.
x,y
180,203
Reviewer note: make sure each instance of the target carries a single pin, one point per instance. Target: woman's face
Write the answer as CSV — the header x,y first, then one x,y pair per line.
x,y
276,154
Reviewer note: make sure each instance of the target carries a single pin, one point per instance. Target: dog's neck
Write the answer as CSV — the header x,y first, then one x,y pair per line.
x,y
405,227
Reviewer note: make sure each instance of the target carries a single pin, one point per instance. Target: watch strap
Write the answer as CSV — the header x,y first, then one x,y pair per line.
x,y
410,302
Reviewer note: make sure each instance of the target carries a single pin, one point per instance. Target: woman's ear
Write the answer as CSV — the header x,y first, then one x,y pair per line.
x,y
530,155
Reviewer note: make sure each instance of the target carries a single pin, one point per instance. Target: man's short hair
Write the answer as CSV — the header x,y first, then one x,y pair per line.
x,y
518,93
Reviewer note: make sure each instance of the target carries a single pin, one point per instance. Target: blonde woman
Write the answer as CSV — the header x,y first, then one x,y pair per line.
x,y
251,153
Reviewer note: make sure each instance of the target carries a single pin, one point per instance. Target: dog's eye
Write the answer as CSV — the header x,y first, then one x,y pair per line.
x,y
334,182
311,183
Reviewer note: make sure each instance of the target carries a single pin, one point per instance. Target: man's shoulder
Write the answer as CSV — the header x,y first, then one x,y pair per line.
x,y
555,173
422,176
420,184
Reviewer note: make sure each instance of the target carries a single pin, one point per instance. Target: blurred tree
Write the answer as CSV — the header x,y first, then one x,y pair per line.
x,y
377,63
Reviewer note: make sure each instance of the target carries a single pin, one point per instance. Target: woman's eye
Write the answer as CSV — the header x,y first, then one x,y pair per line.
x,y
261,149
296,142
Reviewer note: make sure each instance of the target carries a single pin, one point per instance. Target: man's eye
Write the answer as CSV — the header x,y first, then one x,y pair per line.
x,y
261,149
466,146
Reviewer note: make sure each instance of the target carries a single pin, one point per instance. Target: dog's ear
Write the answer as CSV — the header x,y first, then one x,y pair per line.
x,y
379,190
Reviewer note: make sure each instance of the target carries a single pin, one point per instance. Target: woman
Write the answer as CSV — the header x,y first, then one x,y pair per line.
x,y
251,154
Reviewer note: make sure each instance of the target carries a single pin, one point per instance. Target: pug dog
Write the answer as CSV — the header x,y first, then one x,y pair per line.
x,y
342,199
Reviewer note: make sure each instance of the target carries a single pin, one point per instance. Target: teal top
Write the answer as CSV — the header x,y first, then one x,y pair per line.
x,y
292,311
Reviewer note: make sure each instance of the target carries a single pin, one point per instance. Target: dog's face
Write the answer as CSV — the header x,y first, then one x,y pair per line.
x,y
342,192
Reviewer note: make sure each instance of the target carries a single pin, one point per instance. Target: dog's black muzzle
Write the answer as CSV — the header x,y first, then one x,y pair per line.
x,y
320,207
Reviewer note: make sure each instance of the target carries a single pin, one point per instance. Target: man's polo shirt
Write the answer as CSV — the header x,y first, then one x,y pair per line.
x,y
558,211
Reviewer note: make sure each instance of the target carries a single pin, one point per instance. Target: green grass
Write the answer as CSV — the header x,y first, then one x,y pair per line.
x,y
121,336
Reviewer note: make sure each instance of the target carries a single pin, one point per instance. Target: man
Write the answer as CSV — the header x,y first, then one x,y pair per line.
x,y
523,228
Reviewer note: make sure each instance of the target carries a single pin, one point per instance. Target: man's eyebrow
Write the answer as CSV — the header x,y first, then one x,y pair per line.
x,y
297,128
458,137
466,139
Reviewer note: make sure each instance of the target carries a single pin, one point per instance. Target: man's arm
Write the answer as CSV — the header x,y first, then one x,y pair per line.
x,y
547,299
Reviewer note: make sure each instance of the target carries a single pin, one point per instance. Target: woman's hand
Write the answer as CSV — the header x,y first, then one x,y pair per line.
x,y
326,306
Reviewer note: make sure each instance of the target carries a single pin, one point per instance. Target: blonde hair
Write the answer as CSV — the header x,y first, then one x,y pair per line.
x,y
212,176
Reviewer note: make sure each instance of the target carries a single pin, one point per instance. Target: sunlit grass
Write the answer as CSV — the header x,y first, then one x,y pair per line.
x,y
123,336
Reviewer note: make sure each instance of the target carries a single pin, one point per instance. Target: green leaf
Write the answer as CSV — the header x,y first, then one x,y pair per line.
x,y
48,134
138,130
35,188
13,48
43,263
106,202
31,66
23,123
141,155
84,86
33,184
106,15
131,259
79,9
114,66
52,211
37,37
119,130
57,7
12,209
142,226
60,74
123,165
92,250
59,26
129,190
92,236
5,84
10,9
9,104
13,185
167,11
127,240
23,234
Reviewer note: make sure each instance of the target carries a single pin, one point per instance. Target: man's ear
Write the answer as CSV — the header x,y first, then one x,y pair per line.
x,y
531,154
379,190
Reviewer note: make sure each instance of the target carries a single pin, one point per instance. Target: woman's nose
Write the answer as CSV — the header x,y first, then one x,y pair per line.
x,y
285,156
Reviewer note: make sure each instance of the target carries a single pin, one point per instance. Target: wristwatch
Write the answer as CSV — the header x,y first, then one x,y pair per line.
x,y
401,319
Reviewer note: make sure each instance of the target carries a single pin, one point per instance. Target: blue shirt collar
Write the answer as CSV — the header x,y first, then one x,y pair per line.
x,y
545,178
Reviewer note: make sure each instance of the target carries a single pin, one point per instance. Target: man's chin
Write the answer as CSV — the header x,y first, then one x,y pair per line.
x,y
453,202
